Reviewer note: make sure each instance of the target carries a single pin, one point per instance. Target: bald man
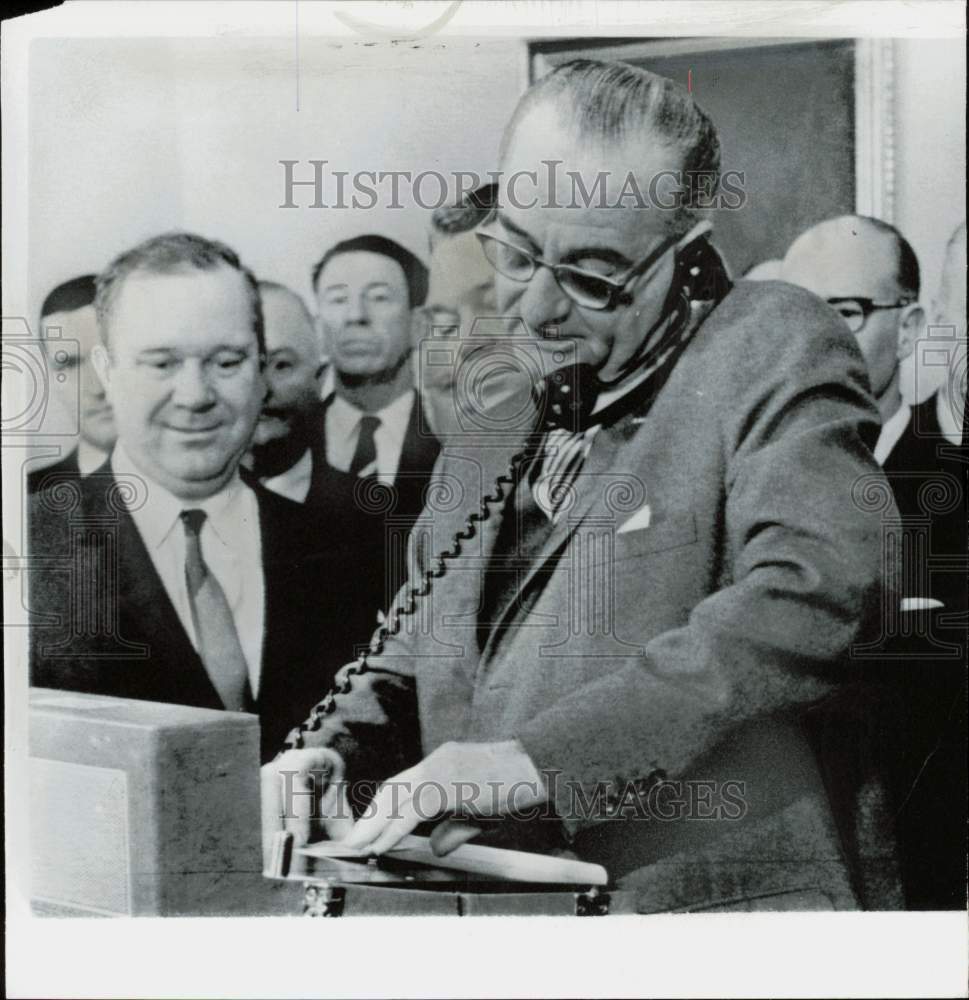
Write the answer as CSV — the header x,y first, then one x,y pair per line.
x,y
927,470
281,453
867,271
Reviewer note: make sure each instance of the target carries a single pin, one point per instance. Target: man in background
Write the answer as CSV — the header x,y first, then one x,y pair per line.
x,y
69,309
376,439
867,271
283,456
181,582
469,364
663,584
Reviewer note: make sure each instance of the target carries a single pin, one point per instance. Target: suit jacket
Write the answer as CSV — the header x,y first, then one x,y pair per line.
x,y
924,729
698,648
66,467
104,624
928,477
379,517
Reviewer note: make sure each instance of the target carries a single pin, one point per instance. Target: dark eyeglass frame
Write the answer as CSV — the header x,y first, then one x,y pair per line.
x,y
613,288
868,306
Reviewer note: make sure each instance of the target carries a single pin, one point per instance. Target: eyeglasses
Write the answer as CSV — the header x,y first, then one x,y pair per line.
x,y
593,291
855,312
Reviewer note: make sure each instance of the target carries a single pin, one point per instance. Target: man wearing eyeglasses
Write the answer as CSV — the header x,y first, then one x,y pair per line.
x,y
163,576
660,583
868,273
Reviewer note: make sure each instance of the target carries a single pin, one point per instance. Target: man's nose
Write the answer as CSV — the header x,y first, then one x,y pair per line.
x,y
543,303
192,386
358,311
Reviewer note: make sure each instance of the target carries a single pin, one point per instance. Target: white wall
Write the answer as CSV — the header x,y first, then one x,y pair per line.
x,y
129,138
132,137
930,88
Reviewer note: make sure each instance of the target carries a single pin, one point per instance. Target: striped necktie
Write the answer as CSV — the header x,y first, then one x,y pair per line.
x,y
215,630
553,474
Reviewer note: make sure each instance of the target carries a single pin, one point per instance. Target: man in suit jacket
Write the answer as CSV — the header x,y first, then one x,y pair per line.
x,y
68,328
624,642
868,272
374,444
164,576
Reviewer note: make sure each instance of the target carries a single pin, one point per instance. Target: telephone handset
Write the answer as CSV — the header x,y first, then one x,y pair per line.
x,y
565,399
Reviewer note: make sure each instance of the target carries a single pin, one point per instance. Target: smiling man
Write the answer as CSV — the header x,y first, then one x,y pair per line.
x,y
165,577
282,453
657,595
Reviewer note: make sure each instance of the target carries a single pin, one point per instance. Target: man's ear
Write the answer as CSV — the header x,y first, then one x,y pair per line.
x,y
101,361
910,325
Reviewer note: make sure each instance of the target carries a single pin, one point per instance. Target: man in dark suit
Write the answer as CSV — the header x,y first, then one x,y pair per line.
x,y
374,443
68,328
867,271
164,576
624,641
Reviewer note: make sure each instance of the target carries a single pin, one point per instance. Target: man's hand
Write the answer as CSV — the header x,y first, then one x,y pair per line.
x,y
303,793
461,779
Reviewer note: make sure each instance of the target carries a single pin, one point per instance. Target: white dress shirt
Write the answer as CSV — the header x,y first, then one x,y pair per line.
x,y
892,430
89,458
343,432
295,481
231,547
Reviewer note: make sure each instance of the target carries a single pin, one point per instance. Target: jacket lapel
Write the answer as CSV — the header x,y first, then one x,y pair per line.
x,y
145,609
599,488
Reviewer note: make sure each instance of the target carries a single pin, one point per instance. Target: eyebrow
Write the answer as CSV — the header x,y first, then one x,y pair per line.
x,y
343,285
606,254
512,228
238,349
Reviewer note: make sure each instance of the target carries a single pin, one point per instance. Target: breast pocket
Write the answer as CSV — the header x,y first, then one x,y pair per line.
x,y
672,531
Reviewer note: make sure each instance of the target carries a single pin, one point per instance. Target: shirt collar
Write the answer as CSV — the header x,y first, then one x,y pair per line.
x,y
295,481
394,417
891,431
89,458
158,515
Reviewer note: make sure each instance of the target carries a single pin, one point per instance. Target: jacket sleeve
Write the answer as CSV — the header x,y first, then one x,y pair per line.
x,y
809,571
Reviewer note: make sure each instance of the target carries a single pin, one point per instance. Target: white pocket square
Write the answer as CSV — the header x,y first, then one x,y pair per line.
x,y
638,521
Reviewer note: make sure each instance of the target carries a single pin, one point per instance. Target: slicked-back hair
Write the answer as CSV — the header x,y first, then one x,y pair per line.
x,y
70,295
907,274
415,272
173,253
613,103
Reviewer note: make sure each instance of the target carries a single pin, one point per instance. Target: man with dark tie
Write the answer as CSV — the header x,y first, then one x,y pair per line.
x,y
376,445
644,597
68,328
164,576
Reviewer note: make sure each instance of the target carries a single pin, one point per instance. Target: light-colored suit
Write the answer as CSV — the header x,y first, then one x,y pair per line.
x,y
690,646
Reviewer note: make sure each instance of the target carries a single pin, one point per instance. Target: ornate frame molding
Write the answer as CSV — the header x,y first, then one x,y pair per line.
x,y
875,128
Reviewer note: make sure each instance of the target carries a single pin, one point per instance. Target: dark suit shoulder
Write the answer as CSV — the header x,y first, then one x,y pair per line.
x,y
51,475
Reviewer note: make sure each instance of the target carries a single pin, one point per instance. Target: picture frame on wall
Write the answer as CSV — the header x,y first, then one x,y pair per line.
x,y
812,137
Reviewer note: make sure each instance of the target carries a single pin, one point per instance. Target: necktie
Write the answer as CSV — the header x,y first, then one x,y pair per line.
x,y
553,474
215,630
366,453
